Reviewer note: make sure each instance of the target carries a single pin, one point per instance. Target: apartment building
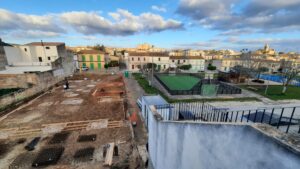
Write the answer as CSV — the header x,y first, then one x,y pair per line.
x,y
33,57
92,59
197,62
226,65
136,60
35,53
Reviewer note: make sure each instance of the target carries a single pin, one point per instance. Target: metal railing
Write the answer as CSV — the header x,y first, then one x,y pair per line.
x,y
286,119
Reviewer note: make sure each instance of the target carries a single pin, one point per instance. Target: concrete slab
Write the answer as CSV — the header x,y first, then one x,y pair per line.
x,y
72,101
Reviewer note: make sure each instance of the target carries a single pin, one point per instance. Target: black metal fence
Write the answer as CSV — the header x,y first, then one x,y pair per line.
x,y
286,119
223,88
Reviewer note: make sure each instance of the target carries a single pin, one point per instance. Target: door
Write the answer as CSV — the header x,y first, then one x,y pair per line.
x,y
92,66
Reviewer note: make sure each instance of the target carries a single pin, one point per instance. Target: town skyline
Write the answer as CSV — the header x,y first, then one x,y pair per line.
x,y
183,24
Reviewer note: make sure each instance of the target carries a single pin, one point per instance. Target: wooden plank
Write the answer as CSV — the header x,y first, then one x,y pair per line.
x,y
109,155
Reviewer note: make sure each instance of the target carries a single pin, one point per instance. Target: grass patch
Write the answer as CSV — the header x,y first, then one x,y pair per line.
x,y
179,82
7,91
274,92
142,81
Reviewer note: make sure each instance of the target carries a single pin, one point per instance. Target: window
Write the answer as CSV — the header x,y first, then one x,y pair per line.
x,y
132,66
173,61
47,47
132,59
49,58
158,59
99,58
91,58
83,58
144,59
183,60
40,59
25,49
164,66
138,58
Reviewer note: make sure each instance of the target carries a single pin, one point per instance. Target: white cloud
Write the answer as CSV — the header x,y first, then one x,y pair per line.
x,y
122,23
233,16
17,21
158,8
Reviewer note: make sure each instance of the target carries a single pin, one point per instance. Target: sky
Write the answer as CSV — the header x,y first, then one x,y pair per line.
x,y
186,24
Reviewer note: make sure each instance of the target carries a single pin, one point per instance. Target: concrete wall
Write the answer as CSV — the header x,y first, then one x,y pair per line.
x,y
41,82
2,58
177,145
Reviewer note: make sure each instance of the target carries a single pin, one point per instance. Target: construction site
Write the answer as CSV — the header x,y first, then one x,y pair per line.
x,y
84,126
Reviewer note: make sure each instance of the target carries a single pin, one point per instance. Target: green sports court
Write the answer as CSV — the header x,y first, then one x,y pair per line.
x,y
179,82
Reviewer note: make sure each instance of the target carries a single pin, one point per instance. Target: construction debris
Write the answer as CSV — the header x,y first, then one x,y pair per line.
x,y
109,154
30,146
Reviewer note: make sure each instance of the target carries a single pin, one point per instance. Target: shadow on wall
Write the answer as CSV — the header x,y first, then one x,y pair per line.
x,y
181,145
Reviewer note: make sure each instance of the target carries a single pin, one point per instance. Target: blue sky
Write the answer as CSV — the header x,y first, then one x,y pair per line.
x,y
197,24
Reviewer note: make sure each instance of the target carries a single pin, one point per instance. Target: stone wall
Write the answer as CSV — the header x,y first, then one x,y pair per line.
x,y
33,83
181,145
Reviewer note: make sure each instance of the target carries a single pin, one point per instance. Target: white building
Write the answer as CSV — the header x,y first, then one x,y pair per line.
x,y
36,53
34,57
197,62
136,60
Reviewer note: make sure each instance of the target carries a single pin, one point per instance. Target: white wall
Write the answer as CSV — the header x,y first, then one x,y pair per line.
x,y
177,145
17,55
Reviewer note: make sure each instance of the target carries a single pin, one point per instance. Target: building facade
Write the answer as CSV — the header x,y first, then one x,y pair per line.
x,y
92,59
197,62
35,53
136,60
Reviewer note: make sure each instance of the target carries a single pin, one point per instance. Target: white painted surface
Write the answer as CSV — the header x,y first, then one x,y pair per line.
x,y
214,146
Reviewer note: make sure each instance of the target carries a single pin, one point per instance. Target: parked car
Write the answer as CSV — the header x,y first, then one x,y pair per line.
x,y
84,68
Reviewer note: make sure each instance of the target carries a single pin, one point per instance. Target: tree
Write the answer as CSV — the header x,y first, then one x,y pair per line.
x,y
106,66
185,67
113,63
211,67
261,70
99,47
289,75
150,65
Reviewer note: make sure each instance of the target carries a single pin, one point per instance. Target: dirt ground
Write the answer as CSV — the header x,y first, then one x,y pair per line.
x,y
90,97
74,104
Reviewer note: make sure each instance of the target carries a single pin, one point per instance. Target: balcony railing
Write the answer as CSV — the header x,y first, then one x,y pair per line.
x,y
286,119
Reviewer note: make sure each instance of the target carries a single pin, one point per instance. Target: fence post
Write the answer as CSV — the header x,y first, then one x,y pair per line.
x,y
288,127
271,116
280,118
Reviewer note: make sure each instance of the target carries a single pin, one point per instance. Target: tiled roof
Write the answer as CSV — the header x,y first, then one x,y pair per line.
x,y
160,54
91,52
186,57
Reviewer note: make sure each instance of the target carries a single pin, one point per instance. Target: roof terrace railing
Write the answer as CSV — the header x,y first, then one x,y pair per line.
x,y
286,119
